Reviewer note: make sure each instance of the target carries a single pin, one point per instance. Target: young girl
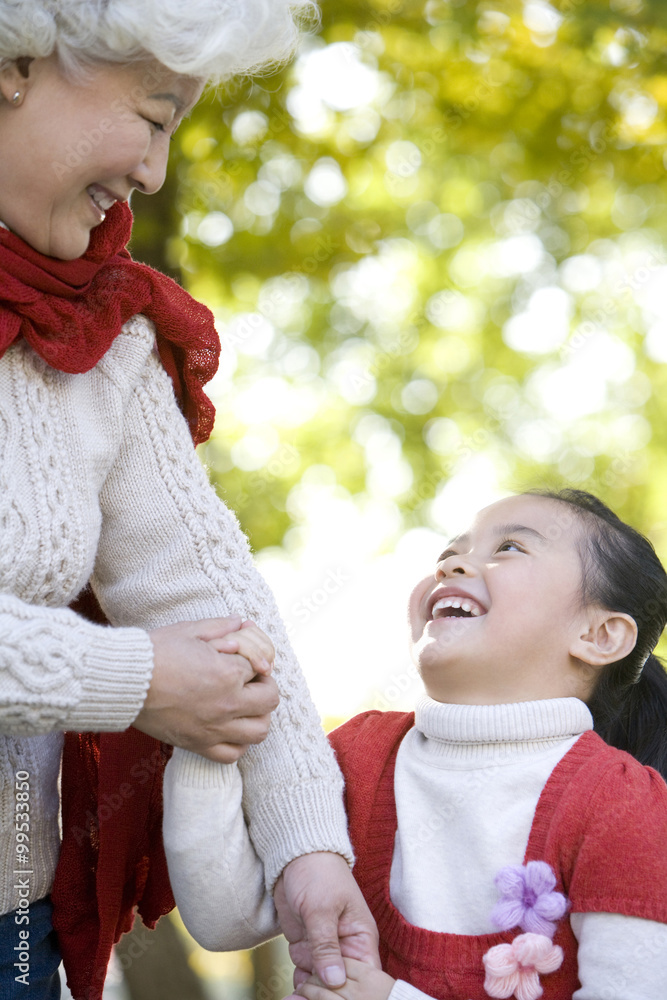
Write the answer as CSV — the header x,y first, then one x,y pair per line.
x,y
504,849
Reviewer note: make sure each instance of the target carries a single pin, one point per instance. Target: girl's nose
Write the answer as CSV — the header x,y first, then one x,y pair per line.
x,y
453,565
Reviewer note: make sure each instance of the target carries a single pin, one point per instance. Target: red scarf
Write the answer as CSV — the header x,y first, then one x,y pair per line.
x,y
71,311
112,857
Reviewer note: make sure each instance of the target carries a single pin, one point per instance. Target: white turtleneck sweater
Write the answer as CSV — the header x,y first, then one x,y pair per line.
x,y
467,782
99,480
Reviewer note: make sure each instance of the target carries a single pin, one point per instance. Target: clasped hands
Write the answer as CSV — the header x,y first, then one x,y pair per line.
x,y
333,939
212,691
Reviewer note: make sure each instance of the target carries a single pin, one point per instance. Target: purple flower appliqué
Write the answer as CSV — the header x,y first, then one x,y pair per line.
x,y
528,900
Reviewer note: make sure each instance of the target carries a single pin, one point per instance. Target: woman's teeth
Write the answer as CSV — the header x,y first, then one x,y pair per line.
x,y
102,199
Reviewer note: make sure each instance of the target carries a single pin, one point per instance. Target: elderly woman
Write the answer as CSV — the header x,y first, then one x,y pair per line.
x,y
102,362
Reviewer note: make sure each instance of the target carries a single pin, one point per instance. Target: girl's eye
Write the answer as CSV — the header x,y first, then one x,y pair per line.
x,y
508,545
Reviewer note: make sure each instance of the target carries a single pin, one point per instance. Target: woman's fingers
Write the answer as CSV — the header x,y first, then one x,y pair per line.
x,y
243,731
224,753
209,629
247,696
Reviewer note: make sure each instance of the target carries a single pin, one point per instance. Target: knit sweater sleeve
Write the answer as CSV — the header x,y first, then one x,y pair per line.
x,y
170,551
60,672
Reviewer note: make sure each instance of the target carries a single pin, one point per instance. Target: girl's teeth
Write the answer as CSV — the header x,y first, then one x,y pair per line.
x,y
455,602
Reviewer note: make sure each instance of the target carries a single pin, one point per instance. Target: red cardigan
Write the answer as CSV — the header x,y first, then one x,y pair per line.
x,y
598,811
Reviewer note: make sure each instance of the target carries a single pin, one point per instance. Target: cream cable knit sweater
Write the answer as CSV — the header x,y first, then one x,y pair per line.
x,y
99,479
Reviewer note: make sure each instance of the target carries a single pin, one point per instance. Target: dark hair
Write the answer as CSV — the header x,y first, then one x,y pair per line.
x,y
621,572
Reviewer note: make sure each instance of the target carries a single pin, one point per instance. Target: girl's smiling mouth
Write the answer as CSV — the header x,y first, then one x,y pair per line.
x,y
448,603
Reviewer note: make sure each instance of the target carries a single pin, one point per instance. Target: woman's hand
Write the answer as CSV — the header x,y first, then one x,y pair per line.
x,y
324,916
363,983
211,690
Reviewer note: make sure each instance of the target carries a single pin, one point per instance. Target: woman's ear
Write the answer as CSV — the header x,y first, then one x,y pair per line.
x,y
15,79
610,636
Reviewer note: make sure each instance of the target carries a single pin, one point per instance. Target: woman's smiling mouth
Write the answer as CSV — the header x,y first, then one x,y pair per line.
x,y
101,198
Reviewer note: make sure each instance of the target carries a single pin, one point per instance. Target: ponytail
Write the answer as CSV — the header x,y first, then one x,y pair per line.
x,y
634,717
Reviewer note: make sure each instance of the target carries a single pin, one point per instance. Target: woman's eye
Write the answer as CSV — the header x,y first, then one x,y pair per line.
x,y
159,127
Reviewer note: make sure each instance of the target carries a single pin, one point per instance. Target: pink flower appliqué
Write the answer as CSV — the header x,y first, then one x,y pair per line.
x,y
528,900
513,969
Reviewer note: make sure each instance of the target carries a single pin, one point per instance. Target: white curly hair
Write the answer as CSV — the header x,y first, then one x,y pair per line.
x,y
210,39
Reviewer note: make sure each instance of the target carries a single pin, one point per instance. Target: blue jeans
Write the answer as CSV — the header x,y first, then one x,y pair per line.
x,y
29,956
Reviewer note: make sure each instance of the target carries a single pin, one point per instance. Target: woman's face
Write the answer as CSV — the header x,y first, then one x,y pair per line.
x,y
69,150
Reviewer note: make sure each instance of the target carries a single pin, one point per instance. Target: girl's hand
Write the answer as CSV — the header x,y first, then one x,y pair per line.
x,y
363,983
251,642
205,699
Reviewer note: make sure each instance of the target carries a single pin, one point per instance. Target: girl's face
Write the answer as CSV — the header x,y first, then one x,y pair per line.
x,y
516,578
69,150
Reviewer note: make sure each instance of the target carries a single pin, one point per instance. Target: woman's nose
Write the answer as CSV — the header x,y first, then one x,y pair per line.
x,y
149,176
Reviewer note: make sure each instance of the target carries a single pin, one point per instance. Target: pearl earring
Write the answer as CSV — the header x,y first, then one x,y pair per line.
x,y
17,97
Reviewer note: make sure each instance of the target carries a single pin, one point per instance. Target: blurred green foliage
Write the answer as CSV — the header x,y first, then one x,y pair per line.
x,y
438,237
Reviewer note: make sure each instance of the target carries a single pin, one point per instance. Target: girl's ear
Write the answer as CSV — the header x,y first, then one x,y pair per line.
x,y
610,636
